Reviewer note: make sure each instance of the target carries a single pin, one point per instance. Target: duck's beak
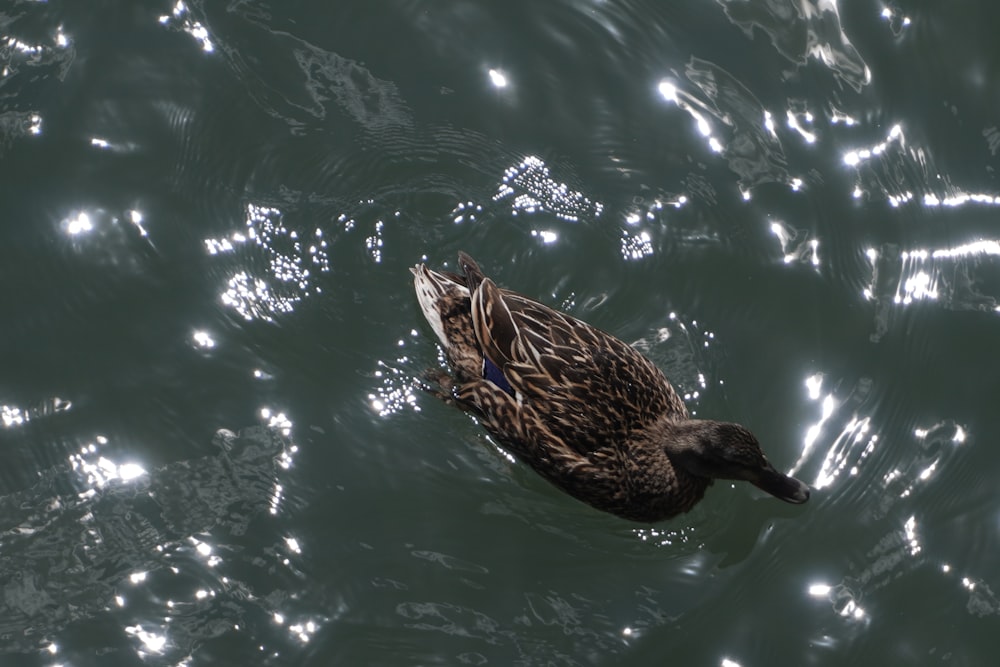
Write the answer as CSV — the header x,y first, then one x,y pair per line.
x,y
780,486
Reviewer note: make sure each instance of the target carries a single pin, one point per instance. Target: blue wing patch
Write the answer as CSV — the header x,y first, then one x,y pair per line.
x,y
493,373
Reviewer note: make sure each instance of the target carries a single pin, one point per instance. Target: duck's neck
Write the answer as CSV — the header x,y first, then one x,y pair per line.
x,y
692,445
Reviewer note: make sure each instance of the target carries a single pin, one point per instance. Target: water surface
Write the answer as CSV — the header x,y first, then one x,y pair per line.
x,y
213,452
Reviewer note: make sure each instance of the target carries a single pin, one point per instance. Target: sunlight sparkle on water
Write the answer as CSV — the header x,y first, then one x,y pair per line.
x,y
855,157
962,198
687,103
464,212
375,242
11,416
916,287
498,78
794,244
813,384
981,247
79,224
662,536
203,339
935,274
848,451
820,590
533,190
778,230
853,609
135,217
303,631
793,123
828,406
395,391
277,421
35,124
291,265
151,641
897,20
910,533
769,124
103,471
276,496
925,469
180,18
668,91
703,126
636,246
128,471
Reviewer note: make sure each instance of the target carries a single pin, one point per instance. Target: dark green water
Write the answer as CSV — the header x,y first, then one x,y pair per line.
x,y
208,215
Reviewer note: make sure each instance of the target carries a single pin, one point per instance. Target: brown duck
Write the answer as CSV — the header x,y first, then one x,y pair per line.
x,y
584,409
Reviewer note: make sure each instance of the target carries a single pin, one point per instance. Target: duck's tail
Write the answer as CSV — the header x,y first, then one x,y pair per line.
x,y
473,274
435,292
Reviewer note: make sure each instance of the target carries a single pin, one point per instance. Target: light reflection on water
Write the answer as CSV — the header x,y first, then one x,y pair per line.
x,y
136,530
825,40
852,450
180,19
292,265
14,416
955,277
531,189
789,120
796,246
907,174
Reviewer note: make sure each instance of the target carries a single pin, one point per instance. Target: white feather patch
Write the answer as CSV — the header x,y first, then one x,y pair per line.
x,y
431,287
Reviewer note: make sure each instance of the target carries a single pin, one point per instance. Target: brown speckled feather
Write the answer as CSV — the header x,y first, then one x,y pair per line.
x,y
591,388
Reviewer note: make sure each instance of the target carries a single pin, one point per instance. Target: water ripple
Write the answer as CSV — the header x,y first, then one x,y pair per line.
x,y
800,31
133,532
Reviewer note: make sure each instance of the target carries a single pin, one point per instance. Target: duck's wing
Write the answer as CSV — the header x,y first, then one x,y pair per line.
x,y
593,476
590,389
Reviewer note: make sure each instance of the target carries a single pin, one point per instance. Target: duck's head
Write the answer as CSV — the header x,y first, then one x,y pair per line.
x,y
722,450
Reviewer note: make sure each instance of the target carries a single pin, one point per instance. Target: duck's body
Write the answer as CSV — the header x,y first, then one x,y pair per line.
x,y
584,409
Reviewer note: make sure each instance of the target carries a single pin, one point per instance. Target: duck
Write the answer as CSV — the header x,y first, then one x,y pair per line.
x,y
585,410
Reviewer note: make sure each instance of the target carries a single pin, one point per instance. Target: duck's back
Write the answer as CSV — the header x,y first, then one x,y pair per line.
x,y
590,388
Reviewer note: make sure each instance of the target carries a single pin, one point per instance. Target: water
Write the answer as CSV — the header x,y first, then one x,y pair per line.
x,y
209,212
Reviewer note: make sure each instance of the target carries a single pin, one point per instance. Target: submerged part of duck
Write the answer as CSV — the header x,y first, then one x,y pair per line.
x,y
585,410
